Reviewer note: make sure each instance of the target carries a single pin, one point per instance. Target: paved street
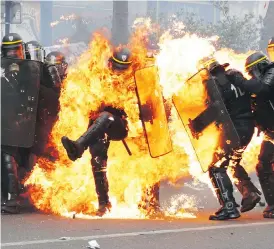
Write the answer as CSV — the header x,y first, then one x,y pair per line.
x,y
36,230
33,231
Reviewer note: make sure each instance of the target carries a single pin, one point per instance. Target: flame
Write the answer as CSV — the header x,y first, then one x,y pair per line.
x,y
66,188
177,62
63,18
52,24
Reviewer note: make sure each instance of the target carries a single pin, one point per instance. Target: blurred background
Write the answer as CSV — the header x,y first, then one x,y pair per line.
x,y
241,25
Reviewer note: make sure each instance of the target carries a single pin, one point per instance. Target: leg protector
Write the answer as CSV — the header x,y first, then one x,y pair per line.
x,y
96,131
251,195
11,205
224,191
101,184
99,167
248,190
265,171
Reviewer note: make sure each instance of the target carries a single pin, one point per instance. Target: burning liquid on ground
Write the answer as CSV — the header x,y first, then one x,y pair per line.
x,y
65,188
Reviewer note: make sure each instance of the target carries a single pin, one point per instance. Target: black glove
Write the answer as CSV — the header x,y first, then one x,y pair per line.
x,y
147,113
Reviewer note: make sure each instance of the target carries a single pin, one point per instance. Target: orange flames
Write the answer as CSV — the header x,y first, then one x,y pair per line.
x,y
64,187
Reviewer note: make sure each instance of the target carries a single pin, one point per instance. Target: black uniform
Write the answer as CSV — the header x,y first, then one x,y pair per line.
x,y
106,124
48,107
47,110
11,47
238,104
262,85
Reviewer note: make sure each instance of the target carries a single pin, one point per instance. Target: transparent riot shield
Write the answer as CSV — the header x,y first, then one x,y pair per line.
x,y
206,119
152,111
20,82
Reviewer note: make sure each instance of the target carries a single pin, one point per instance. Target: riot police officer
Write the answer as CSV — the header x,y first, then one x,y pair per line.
x,y
12,47
238,104
152,50
58,59
106,124
150,201
262,85
270,49
34,51
48,104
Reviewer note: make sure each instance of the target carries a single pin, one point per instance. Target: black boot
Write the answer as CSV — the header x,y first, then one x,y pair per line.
x,y
101,185
269,212
224,191
248,190
267,184
11,205
75,149
154,209
265,174
103,209
251,195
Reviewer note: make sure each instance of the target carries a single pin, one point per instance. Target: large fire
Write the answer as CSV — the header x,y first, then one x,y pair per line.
x,y
64,187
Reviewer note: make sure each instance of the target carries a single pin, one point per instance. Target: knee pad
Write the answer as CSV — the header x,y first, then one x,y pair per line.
x,y
9,163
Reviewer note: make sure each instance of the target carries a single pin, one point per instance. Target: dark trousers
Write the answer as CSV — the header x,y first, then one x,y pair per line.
x,y
9,176
99,155
245,130
265,170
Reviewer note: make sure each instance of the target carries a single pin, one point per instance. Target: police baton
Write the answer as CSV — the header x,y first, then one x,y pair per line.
x,y
127,148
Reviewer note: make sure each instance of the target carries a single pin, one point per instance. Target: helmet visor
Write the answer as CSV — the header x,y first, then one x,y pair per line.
x,y
36,54
13,52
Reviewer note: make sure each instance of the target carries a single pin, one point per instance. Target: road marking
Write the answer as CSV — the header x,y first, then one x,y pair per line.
x,y
117,235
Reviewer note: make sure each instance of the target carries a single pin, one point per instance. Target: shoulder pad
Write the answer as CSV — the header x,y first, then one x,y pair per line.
x,y
233,71
269,77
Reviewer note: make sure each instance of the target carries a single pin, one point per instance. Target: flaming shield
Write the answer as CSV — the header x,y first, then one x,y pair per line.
x,y
152,111
20,82
206,119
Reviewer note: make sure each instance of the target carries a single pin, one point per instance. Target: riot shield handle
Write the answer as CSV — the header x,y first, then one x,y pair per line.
x,y
127,148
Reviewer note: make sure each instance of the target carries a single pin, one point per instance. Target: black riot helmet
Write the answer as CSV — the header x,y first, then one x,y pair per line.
x,y
34,51
270,49
121,59
152,50
212,65
12,46
256,64
58,59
